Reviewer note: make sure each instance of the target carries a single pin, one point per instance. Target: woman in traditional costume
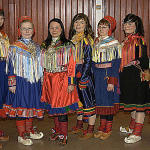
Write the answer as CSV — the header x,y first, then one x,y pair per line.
x,y
24,81
106,64
81,35
133,86
59,92
4,46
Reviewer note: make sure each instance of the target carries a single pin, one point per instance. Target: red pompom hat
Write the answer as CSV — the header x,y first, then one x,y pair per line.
x,y
20,20
112,22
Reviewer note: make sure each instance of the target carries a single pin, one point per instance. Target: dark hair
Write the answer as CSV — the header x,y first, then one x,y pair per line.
x,y
63,39
1,12
104,22
138,23
88,28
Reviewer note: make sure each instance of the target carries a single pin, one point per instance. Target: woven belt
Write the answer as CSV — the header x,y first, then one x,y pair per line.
x,y
107,65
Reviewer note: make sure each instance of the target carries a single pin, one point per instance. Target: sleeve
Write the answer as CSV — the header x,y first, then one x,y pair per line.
x,y
113,72
71,69
86,68
11,75
144,61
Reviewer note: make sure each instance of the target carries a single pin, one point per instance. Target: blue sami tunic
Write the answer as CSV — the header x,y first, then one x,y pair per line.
x,y
25,72
106,64
84,76
4,45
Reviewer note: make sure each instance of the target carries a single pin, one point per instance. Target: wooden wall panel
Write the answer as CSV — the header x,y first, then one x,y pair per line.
x,y
74,7
35,19
40,24
117,16
120,8
85,7
128,6
123,13
45,15
42,11
12,20
68,15
146,22
149,25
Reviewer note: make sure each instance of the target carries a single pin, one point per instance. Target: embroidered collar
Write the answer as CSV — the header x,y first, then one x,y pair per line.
x,y
131,37
106,39
78,37
26,41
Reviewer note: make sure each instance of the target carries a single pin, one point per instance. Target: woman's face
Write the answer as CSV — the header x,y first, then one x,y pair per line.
x,y
129,27
26,30
103,30
1,20
55,29
79,25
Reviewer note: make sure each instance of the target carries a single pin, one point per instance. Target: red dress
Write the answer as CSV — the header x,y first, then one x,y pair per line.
x,y
59,73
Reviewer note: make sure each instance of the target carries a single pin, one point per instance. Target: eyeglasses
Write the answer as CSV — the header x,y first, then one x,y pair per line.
x,y
103,27
129,24
26,29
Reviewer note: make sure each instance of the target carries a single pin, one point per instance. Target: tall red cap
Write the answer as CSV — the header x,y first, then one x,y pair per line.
x,y
112,22
21,19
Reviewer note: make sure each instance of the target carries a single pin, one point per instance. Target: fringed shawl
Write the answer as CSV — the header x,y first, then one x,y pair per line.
x,y
26,60
106,50
4,44
56,57
128,49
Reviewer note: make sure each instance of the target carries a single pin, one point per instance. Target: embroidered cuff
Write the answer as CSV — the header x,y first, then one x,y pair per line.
x,y
71,80
112,80
78,75
11,81
83,85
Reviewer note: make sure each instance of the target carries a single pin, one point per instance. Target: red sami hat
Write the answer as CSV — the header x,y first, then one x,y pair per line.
x,y
20,20
112,22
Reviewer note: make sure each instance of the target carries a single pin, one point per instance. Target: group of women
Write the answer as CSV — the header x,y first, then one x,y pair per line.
x,y
80,74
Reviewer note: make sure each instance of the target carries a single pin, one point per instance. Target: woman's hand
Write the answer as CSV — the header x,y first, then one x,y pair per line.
x,y
42,80
133,63
110,87
70,88
12,89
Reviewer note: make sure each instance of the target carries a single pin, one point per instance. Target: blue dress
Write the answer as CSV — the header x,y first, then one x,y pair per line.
x,y
85,78
4,45
106,64
25,72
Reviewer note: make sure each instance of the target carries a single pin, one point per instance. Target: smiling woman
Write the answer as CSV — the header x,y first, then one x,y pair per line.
x,y
129,27
81,35
24,74
55,29
79,25
106,62
26,29
4,45
134,88
58,91
1,20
